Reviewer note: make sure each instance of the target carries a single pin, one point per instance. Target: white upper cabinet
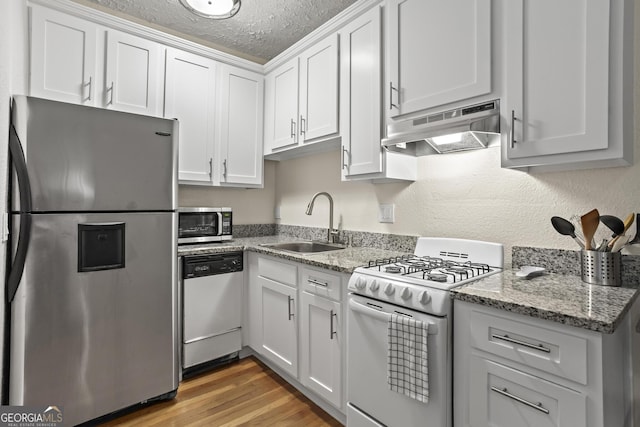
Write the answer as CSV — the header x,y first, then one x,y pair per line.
x,y
190,97
63,57
69,54
360,109
438,52
565,104
240,108
281,107
319,90
301,99
134,74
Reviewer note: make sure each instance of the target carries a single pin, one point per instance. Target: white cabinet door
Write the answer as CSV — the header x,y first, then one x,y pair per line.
x,y
190,97
360,109
439,52
279,325
134,75
281,107
319,90
321,347
503,397
63,57
557,88
361,56
240,110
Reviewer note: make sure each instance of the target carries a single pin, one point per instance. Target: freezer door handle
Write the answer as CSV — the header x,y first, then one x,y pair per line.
x,y
24,187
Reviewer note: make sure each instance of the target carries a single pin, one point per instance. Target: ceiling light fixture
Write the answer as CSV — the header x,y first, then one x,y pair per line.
x,y
212,9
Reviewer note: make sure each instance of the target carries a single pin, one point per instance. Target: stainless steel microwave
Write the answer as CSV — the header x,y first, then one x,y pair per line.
x,y
204,225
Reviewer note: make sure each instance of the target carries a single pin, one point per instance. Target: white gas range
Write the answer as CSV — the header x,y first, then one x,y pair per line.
x,y
415,287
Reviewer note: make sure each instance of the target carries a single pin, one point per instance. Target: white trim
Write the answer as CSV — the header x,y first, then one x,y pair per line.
x,y
328,28
114,22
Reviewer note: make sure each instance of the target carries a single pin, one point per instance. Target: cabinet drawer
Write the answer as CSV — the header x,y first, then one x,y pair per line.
x,y
503,397
321,283
550,350
277,271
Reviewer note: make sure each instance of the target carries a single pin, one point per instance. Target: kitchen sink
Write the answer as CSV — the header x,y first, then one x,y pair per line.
x,y
304,247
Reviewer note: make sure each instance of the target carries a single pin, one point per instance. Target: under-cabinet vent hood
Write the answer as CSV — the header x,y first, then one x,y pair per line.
x,y
465,128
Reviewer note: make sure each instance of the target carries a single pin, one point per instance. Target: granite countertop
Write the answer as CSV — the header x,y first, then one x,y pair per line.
x,y
561,298
343,260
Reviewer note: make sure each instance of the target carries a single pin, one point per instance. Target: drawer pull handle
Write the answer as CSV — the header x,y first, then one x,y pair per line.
x,y
332,314
290,300
507,338
318,282
505,392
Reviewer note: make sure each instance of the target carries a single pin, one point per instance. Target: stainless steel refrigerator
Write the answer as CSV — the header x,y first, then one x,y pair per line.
x,y
92,280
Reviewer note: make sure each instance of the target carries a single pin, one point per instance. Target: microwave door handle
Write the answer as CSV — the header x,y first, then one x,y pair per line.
x,y
219,230
24,235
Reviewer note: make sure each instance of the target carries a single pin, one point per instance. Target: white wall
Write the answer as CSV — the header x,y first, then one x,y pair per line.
x,y
250,206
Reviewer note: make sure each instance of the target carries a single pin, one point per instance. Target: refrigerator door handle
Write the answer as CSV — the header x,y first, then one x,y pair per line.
x,y
24,236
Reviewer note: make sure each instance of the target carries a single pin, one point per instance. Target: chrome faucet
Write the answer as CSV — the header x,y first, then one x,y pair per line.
x,y
331,234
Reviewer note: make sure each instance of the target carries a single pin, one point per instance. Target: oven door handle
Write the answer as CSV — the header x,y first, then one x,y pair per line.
x,y
383,315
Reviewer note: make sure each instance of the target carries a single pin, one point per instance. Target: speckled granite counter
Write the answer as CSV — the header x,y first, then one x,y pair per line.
x,y
560,298
343,260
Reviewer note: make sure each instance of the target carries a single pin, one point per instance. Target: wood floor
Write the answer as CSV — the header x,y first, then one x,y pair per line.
x,y
245,393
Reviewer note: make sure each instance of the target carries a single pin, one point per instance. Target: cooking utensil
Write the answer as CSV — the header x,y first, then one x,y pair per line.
x,y
626,224
566,228
636,239
621,241
614,224
590,222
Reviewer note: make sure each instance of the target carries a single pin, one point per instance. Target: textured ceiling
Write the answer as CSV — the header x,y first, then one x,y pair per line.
x,y
259,32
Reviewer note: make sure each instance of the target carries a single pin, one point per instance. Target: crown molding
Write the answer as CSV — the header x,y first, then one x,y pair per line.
x,y
117,23
326,29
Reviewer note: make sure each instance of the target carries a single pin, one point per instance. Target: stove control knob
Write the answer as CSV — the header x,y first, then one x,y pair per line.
x,y
389,289
360,283
406,294
424,297
374,286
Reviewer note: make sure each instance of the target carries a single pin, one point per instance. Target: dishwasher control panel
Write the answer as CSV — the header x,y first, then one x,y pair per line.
x,y
211,264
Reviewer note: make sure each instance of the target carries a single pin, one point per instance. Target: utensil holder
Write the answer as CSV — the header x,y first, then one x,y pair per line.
x,y
601,268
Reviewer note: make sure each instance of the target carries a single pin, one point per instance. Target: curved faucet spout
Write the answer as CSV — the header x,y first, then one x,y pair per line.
x,y
331,235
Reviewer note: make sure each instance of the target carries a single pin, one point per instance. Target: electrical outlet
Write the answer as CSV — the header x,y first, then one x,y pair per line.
x,y
386,213
276,213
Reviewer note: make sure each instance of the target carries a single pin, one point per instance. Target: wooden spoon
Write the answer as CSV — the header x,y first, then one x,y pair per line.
x,y
589,222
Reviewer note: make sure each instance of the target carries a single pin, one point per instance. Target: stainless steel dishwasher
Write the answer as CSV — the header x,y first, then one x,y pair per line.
x,y
211,310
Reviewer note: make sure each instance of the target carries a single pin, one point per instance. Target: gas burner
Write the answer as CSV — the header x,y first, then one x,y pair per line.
x,y
436,277
392,269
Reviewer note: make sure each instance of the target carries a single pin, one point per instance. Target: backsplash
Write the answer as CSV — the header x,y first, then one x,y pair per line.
x,y
568,262
392,242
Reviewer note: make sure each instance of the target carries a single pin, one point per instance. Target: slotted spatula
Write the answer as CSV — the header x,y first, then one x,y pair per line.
x,y
589,222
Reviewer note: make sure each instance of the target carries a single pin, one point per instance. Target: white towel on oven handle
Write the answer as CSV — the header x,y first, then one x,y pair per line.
x,y
408,357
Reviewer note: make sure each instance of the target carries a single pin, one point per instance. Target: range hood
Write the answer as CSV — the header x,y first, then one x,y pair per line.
x,y
460,129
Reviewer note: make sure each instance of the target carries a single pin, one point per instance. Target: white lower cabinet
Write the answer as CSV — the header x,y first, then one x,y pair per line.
x,y
321,347
279,325
500,396
512,370
295,323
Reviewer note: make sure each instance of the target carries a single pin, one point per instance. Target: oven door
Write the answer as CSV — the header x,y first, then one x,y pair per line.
x,y
371,401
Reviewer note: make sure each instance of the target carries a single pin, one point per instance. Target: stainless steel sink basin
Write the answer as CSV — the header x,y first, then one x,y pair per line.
x,y
304,247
